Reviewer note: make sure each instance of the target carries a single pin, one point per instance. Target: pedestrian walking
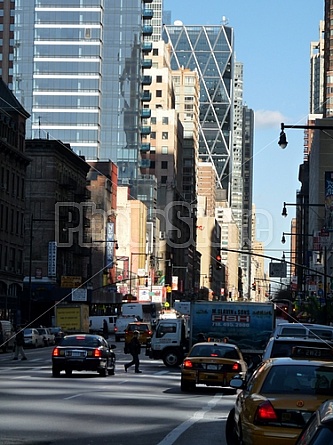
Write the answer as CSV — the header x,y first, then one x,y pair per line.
x,y
105,329
19,344
134,347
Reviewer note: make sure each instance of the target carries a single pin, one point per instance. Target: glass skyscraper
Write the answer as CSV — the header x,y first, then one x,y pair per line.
x,y
78,71
209,51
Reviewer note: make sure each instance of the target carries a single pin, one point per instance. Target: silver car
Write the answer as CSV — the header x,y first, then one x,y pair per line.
x,y
32,338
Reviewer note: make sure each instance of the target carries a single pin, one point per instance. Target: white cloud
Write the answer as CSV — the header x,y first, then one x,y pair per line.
x,y
268,119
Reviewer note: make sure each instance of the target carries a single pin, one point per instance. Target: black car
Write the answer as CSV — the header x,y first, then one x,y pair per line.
x,y
83,352
319,429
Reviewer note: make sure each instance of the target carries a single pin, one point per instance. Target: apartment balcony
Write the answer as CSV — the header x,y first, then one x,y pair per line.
x,y
147,47
146,96
145,163
146,80
147,13
145,113
146,63
146,130
145,147
147,30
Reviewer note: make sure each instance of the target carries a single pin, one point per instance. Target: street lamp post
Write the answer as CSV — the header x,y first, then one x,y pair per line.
x,y
283,138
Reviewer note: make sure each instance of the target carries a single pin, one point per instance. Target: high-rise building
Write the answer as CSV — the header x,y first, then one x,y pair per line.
x,y
210,51
317,72
79,69
7,41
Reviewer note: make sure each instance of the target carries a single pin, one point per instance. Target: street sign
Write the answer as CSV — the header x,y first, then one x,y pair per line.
x,y
278,269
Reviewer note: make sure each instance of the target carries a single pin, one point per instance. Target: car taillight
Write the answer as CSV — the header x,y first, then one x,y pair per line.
x,y
97,353
150,332
126,332
55,352
265,413
187,364
115,329
236,367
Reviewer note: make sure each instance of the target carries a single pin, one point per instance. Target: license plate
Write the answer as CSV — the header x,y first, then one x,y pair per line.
x,y
76,354
212,367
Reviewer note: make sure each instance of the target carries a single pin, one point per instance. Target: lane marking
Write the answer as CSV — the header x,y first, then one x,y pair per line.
x,y
199,415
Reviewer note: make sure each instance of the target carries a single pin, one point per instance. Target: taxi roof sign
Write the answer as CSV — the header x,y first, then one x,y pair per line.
x,y
308,352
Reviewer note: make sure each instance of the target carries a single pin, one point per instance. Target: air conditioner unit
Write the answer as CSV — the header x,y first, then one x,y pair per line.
x,y
162,235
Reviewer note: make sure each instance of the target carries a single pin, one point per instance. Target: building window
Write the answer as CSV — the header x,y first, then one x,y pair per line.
x,y
158,93
155,51
164,179
165,135
164,165
159,79
164,150
153,120
153,135
165,120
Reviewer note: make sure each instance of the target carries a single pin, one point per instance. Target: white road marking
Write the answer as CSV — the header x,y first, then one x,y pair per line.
x,y
174,434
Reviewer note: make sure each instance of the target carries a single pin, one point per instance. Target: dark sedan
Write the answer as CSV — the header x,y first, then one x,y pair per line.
x,y
319,429
83,352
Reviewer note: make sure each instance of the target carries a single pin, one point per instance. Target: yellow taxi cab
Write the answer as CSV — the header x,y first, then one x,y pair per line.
x,y
145,332
276,402
211,364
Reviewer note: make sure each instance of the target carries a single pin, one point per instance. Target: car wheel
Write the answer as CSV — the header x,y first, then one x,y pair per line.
x,y
69,372
55,372
187,386
103,372
171,359
230,430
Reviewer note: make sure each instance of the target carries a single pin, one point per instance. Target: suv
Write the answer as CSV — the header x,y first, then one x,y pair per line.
x,y
144,329
288,335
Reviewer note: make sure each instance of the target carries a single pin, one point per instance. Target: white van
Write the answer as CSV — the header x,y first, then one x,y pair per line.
x,y
7,335
121,325
288,335
96,323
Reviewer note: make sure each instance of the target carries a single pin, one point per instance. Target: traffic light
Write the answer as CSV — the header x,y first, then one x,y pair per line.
x,y
254,286
218,264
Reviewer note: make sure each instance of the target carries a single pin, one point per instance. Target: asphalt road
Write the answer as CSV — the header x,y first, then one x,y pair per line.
x,y
85,409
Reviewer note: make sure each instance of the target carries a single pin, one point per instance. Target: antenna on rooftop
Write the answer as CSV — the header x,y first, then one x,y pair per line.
x,y
224,20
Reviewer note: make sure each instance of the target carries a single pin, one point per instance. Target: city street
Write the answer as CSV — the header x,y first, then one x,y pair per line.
x,y
86,409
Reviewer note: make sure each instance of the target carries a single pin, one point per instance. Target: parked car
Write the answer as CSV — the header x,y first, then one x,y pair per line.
x,y
211,364
58,333
144,330
48,337
83,352
319,429
32,338
278,399
7,335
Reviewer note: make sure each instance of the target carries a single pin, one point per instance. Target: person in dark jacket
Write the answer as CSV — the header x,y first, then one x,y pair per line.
x,y
134,349
105,329
19,343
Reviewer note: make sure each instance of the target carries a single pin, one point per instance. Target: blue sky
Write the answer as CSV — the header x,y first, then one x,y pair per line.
x,y
272,40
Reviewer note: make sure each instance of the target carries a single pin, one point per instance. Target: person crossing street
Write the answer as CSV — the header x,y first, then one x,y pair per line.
x,y
134,347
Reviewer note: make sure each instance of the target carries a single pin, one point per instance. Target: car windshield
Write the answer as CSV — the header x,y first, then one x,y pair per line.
x,y
299,379
27,331
214,351
80,341
141,327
